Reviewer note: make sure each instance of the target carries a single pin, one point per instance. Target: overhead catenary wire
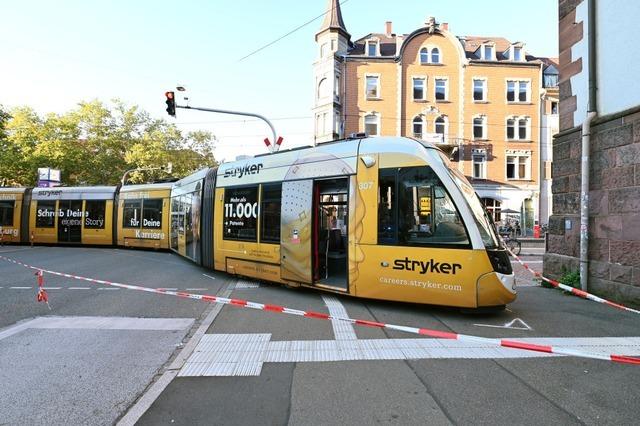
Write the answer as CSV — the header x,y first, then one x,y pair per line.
x,y
299,27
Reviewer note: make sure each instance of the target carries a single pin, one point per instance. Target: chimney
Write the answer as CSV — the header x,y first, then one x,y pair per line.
x,y
388,28
444,26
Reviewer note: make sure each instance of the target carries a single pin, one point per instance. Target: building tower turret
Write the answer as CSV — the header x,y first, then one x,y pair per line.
x,y
333,41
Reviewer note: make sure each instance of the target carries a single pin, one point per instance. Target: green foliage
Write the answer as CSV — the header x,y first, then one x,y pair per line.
x,y
571,278
95,144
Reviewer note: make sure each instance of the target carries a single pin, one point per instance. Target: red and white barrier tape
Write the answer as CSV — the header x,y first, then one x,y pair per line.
x,y
624,359
573,290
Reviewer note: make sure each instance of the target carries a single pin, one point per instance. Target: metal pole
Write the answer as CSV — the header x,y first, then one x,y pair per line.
x,y
249,114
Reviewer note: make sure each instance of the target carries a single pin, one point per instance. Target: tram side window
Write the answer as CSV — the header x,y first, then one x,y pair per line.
x,y
387,207
45,214
94,212
240,213
426,214
6,213
270,213
152,213
131,213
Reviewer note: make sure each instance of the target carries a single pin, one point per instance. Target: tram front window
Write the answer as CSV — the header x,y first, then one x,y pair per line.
x,y
415,209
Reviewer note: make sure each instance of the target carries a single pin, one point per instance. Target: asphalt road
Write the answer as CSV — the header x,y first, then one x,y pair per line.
x,y
105,356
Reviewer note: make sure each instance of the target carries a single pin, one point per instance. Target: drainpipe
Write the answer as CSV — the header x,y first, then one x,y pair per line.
x,y
592,113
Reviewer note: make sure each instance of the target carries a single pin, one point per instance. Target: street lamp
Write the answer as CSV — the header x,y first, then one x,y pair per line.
x,y
168,168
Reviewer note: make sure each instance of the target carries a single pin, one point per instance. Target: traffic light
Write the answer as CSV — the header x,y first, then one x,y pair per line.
x,y
171,103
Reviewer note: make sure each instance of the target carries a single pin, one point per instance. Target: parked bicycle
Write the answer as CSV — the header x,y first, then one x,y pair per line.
x,y
508,234
513,244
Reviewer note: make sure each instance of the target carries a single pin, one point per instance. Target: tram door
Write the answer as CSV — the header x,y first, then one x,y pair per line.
x,y
330,266
70,221
295,235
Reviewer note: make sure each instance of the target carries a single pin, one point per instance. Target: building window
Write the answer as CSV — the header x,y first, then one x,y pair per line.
x,y
371,124
324,49
493,208
441,89
441,127
511,129
424,56
523,91
522,129
323,87
419,89
336,89
511,91
373,87
518,128
554,107
479,128
517,53
479,166
523,88
479,87
487,51
435,55
518,166
417,128
372,48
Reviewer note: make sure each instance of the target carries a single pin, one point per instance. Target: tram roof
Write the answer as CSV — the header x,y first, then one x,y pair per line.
x,y
74,193
12,190
327,159
146,186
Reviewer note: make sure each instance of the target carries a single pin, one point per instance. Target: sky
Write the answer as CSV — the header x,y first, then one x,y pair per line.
x,y
54,55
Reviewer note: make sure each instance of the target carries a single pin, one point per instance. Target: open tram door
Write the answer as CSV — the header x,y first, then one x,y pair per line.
x,y
314,232
330,225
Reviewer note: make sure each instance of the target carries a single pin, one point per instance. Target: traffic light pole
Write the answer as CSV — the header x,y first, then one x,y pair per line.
x,y
248,114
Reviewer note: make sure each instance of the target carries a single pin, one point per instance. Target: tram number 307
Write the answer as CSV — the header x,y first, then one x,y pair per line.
x,y
241,210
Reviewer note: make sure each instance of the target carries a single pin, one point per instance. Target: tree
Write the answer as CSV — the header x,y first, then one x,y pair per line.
x,y
95,144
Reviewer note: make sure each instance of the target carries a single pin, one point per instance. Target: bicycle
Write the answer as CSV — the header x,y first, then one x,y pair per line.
x,y
512,243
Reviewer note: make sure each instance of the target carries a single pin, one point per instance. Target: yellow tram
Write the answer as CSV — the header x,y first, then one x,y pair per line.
x,y
11,200
74,215
382,218
143,215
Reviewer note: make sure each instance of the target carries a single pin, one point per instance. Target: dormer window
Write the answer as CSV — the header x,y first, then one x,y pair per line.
x,y
517,53
372,48
424,55
435,55
488,53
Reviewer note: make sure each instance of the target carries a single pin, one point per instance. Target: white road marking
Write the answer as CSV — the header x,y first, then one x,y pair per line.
x,y
244,354
209,276
100,323
509,324
20,288
79,288
241,284
196,289
167,288
108,288
342,330
52,288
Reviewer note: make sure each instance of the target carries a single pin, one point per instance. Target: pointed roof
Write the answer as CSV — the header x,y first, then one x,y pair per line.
x,y
333,19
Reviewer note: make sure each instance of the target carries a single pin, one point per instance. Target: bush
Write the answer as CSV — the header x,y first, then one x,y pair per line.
x,y
570,278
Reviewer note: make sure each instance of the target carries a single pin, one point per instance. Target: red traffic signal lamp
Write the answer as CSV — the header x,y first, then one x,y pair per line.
x,y
171,103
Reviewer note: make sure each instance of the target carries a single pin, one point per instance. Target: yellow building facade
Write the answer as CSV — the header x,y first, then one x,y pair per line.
x,y
478,98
